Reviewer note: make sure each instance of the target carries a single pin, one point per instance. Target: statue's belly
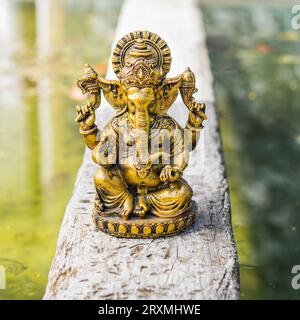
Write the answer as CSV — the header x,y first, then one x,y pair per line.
x,y
135,177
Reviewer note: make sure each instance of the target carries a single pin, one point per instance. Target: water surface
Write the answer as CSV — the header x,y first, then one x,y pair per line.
x,y
255,59
44,46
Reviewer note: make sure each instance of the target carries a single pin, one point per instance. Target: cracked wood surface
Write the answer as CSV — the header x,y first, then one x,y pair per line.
x,y
200,263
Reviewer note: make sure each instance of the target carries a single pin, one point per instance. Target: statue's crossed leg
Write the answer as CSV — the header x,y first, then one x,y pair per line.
x,y
169,200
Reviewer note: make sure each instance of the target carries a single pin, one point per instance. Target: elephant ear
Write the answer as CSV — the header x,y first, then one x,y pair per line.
x,y
167,94
114,94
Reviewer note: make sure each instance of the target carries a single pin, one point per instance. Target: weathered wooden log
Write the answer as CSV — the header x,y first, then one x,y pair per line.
x,y
200,263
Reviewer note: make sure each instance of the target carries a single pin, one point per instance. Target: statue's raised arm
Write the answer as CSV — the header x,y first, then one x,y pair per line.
x,y
91,83
88,83
196,110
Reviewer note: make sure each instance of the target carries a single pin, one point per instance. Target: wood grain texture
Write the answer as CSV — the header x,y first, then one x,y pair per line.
x,y
200,263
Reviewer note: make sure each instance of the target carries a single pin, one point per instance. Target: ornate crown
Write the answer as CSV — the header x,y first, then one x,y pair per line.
x,y
141,59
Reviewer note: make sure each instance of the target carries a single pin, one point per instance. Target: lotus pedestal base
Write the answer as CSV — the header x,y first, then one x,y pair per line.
x,y
146,227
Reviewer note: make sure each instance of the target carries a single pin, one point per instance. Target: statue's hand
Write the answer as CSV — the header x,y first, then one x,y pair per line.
x,y
187,90
85,117
197,114
88,83
170,173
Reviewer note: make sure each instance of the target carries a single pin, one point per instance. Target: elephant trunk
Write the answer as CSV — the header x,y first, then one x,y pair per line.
x,y
142,119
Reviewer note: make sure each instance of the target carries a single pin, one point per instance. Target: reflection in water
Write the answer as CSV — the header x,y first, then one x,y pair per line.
x,y
256,65
43,45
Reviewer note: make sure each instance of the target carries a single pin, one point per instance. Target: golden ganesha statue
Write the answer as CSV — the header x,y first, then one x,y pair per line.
x,y
142,151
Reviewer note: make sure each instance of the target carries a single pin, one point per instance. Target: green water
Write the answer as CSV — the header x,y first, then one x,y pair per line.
x,y
255,59
43,50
